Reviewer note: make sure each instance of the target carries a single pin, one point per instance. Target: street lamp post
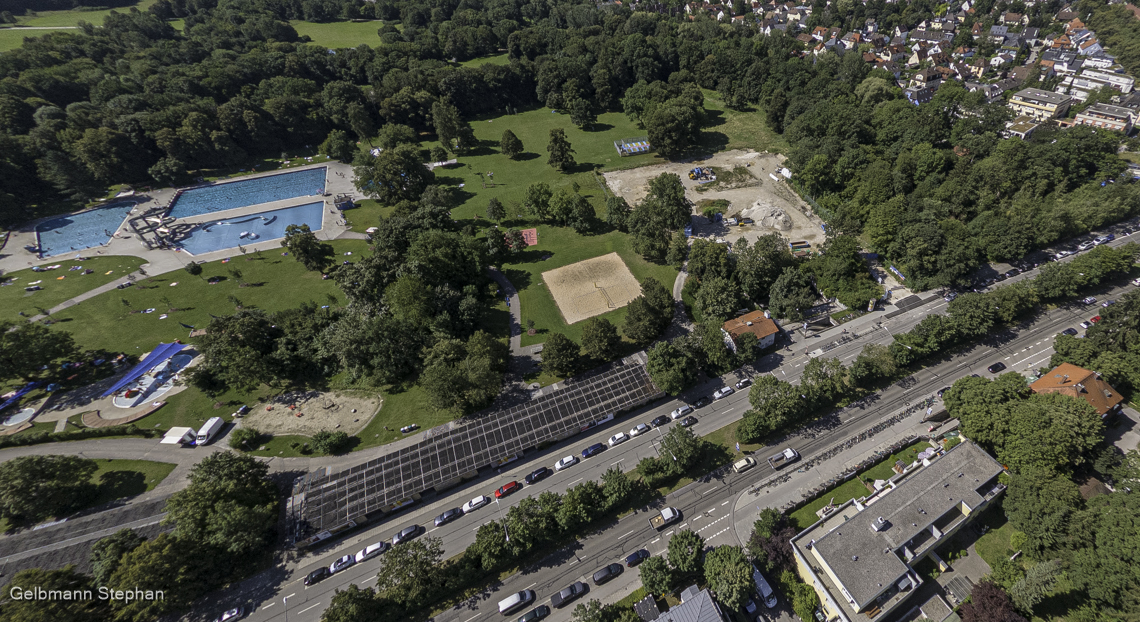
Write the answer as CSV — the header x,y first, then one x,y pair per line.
x,y
285,601
503,521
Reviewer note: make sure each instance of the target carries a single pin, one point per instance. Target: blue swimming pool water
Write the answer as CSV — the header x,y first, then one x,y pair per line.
x,y
235,194
81,231
225,233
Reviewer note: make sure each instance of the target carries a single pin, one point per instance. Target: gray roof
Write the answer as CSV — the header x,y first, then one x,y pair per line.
x,y
866,561
646,609
699,608
1037,95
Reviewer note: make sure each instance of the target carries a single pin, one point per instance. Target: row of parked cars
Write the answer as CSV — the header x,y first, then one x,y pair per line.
x,y
568,594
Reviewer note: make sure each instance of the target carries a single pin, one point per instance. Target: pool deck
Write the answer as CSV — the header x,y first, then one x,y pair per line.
x,y
161,261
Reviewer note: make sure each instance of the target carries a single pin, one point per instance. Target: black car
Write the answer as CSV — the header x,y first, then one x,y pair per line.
x,y
702,402
593,450
746,382
607,573
568,594
942,391
1069,331
1012,273
659,421
636,558
537,613
448,516
318,575
996,367
541,474
688,421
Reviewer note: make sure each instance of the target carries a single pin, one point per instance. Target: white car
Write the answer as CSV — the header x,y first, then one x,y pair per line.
x,y
372,550
1136,282
723,393
342,563
1085,246
565,463
618,439
1063,254
1091,300
639,430
475,503
681,412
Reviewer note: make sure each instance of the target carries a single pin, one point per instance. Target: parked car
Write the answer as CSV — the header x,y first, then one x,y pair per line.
x,y
565,463
942,391
1012,273
636,558
681,412
593,450
618,439
1091,300
1086,324
372,550
406,534
659,421
1104,239
537,613
607,573
950,297
639,430
1136,282
318,575
568,594
1061,254
722,393
702,402
688,421
232,614
538,475
1094,319
342,563
475,503
507,489
1069,331
746,382
1107,303
746,221
1086,245
996,367
448,516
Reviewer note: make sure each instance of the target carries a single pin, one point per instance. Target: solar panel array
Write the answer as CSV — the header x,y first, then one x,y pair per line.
x,y
328,501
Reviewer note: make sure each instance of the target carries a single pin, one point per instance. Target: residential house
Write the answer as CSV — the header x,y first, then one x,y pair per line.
x,y
1068,379
1020,74
756,323
1030,35
696,606
1131,103
1039,104
1066,14
1100,61
1061,61
861,556
1106,116
916,58
1089,48
962,71
889,66
1021,127
805,38
870,26
1061,42
924,77
900,32
939,58
999,60
1015,19
998,34
1090,80
819,33
979,66
990,91
851,40
921,94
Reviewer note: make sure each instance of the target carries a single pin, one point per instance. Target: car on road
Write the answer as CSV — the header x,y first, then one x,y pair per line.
x,y
537,613
1136,282
475,503
1012,273
593,450
1062,254
996,367
566,463
1069,331
232,614
942,391
745,382
538,475
568,594
950,297
1000,277
639,430
1086,324
688,421
342,563
702,402
507,489
1091,300
659,421
372,550
744,464
750,607
448,516
1107,303
723,392
1086,245
1094,319
636,558
618,439
604,575
318,575
1104,239
406,534
681,412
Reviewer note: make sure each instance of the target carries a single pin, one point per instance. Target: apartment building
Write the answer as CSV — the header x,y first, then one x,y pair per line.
x,y
1040,105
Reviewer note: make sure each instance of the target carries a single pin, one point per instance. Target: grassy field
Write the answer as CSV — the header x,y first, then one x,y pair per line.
x,y
340,34
366,214
732,129
13,298
498,59
275,283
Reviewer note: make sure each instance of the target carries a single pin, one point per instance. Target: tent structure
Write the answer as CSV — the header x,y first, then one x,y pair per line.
x,y
152,360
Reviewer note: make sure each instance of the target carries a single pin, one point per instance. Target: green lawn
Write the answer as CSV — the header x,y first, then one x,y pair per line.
x,y
72,18
276,283
732,129
340,34
367,213
13,298
498,59
127,478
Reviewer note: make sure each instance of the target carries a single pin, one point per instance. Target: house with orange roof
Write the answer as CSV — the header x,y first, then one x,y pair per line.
x,y
1068,379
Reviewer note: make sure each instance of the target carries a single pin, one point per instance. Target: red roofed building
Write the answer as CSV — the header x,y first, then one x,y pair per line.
x,y
1068,379
756,323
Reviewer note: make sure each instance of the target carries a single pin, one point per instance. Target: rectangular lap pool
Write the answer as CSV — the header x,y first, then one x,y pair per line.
x,y
76,232
217,235
235,194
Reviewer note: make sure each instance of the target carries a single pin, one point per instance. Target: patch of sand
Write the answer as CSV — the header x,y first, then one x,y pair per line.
x,y
309,412
591,287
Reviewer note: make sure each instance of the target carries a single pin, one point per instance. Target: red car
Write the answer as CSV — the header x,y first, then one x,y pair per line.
x,y
1094,319
507,489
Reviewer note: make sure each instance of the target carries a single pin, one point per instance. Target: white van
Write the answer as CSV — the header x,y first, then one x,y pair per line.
x,y
744,465
209,430
514,602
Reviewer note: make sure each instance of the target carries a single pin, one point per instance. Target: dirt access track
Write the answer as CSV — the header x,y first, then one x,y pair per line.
x,y
772,204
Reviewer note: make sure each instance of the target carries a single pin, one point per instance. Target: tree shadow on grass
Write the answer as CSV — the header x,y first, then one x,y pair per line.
x,y
526,156
118,484
599,127
521,279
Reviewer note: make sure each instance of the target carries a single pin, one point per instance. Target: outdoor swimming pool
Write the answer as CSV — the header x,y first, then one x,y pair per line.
x,y
81,231
221,234
235,194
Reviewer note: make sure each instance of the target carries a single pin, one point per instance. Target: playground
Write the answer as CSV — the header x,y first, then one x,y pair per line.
x,y
309,412
591,287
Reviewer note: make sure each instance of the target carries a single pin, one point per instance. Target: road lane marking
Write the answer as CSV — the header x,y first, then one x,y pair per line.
x,y
308,608
572,563
655,540
613,463
432,529
473,617
681,527
713,489
622,536
374,577
726,503
531,585
291,595
270,605
574,482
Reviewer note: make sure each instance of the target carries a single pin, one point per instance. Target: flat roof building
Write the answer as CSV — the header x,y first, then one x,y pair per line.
x,y
860,557
1106,116
1040,105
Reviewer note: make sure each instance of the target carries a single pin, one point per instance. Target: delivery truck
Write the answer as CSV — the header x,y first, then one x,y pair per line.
x,y
209,430
667,517
783,458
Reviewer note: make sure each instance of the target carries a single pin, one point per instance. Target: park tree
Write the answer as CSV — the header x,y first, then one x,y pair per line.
x,y
674,127
394,134
825,380
560,355
769,544
989,603
775,405
718,298
437,154
338,146
462,376
66,579
33,488
792,295
393,175
303,244
193,268
409,571
600,339
1050,432
707,260
728,573
516,241
490,546
656,576
26,347
510,145
109,551
668,194
617,213
331,442
683,447
495,210
1104,544
873,363
648,314
354,604
686,552
1041,505
453,132
1037,583
236,352
581,113
536,199
760,263
678,251
805,601
617,488
244,439
561,154
183,570
670,369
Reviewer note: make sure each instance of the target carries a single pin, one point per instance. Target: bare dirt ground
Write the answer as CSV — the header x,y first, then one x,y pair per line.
x,y
309,412
591,287
772,204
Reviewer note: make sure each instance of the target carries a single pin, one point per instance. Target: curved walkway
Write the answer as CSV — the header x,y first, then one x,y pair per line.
x,y
512,295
